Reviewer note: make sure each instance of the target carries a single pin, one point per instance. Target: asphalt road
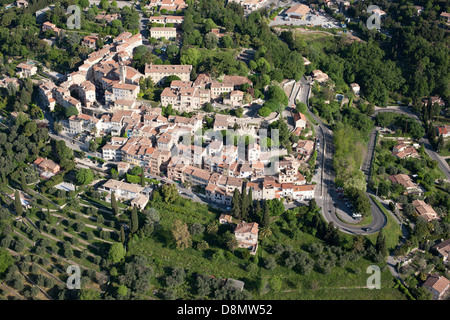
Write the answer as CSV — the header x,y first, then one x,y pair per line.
x,y
443,165
326,195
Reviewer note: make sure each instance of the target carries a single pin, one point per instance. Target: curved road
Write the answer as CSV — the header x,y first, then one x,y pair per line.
x,y
443,165
326,194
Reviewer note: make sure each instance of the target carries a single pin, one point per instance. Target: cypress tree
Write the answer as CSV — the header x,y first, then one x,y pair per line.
x,y
244,203
17,203
331,234
312,205
114,205
23,182
134,220
380,245
258,212
440,143
266,217
250,202
236,204
122,234
315,222
142,178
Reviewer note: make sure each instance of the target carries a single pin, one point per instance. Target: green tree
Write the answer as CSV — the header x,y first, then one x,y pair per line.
x,y
264,112
266,217
440,143
232,244
226,41
84,3
71,111
142,179
190,56
122,237
58,127
116,252
84,176
114,205
6,261
211,41
277,93
244,205
29,129
104,4
169,192
209,25
275,284
134,220
381,244
236,204
422,294
89,294
172,50
23,182
122,290
17,203
181,235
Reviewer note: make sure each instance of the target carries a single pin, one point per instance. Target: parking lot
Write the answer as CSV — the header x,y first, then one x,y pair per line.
x,y
344,209
312,19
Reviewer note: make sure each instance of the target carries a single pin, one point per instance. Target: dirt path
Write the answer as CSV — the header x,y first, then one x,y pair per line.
x,y
34,284
11,290
348,35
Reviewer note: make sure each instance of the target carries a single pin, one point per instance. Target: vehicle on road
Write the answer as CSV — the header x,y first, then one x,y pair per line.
x,y
367,229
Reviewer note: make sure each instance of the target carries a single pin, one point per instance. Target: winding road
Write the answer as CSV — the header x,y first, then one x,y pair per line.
x,y
326,196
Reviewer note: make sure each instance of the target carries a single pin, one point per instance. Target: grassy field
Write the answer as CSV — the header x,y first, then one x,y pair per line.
x,y
392,230
346,282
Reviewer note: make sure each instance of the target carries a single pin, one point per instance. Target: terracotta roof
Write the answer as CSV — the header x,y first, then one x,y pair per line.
x,y
308,145
437,282
403,179
298,9
125,86
162,68
236,80
115,184
305,187
425,210
443,248
299,116
247,228
226,217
